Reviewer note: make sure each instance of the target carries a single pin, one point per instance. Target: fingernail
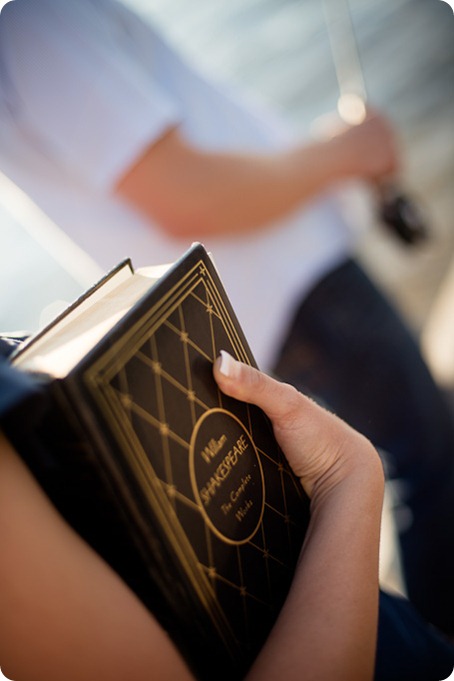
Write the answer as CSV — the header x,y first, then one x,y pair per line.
x,y
227,363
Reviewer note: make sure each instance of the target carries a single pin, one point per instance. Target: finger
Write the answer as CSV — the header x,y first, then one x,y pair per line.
x,y
250,385
289,410
301,428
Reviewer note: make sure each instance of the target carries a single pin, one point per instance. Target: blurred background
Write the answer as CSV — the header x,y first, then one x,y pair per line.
x,y
280,51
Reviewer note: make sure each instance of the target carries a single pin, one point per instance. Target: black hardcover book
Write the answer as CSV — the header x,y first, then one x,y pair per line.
x,y
183,490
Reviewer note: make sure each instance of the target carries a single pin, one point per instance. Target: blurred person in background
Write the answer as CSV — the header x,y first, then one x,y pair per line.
x,y
133,152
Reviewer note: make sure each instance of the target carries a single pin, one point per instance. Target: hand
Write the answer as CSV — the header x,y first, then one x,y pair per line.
x,y
367,149
321,448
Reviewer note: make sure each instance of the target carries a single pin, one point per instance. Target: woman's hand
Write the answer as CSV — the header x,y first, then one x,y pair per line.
x,y
321,448
327,628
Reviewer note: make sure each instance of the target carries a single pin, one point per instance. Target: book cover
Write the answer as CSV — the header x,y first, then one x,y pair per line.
x,y
183,490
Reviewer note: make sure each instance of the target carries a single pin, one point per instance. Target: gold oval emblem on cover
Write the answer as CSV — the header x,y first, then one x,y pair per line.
x,y
227,476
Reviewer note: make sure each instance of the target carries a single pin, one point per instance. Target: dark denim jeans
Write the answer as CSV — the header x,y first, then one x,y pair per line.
x,y
349,349
408,649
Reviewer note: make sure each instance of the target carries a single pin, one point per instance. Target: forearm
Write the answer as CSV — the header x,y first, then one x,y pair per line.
x,y
64,614
328,626
193,193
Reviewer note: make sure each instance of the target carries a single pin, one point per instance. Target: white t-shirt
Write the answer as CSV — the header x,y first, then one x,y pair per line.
x,y
85,88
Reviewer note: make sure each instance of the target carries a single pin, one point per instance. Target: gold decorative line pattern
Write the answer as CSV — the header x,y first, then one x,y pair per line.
x,y
170,503
190,391
171,379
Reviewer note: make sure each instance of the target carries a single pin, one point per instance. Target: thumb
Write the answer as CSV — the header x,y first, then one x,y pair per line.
x,y
247,384
297,421
318,445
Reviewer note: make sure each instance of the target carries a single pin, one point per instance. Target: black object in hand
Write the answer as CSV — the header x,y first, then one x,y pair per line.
x,y
402,216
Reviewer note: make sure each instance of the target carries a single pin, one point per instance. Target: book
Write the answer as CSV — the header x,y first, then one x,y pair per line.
x,y
182,490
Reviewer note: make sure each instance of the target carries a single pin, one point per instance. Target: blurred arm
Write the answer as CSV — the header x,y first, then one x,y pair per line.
x,y
191,193
64,614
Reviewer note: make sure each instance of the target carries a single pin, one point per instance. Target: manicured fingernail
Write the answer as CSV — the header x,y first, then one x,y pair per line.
x,y
227,364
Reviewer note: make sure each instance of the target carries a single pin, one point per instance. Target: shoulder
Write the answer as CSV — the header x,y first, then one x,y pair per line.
x,y
45,37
